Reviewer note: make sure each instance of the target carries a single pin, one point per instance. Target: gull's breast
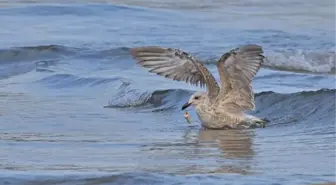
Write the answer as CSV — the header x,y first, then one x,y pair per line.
x,y
212,121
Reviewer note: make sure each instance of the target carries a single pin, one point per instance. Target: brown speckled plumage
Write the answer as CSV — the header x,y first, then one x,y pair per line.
x,y
219,108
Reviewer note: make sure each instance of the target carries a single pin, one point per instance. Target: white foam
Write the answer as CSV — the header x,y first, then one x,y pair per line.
x,y
300,60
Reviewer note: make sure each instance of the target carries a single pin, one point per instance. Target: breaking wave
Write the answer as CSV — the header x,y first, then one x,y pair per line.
x,y
29,53
316,106
287,60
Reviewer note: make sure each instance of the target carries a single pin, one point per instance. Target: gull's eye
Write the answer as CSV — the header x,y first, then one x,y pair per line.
x,y
196,97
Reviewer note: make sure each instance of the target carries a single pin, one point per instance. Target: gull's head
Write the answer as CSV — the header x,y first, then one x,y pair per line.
x,y
196,99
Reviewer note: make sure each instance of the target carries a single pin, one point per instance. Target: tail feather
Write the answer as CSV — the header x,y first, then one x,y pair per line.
x,y
265,120
262,122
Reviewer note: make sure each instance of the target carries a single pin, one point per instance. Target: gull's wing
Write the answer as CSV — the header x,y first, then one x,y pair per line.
x,y
237,69
177,65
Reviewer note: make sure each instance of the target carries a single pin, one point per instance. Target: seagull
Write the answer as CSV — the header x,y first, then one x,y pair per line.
x,y
219,107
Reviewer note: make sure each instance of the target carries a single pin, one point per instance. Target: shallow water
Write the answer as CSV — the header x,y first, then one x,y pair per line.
x,y
75,109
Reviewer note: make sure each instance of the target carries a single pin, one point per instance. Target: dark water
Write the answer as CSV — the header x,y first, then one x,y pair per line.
x,y
75,109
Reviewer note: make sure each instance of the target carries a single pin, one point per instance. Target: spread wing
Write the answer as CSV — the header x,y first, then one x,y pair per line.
x,y
237,69
177,65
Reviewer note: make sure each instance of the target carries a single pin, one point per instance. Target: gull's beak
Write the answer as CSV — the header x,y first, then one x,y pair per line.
x,y
186,105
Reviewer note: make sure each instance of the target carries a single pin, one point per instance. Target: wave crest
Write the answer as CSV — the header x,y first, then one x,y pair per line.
x,y
159,100
28,53
286,60
315,106
69,81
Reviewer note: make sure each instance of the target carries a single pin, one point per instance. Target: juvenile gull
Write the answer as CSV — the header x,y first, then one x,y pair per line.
x,y
218,108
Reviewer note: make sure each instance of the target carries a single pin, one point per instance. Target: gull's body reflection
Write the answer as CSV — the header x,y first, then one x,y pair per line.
x,y
234,144
201,152
235,149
